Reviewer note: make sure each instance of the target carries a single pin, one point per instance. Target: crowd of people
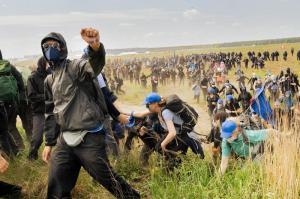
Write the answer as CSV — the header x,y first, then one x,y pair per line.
x,y
72,106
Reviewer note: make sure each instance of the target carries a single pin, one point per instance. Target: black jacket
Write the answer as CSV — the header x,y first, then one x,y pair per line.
x,y
35,89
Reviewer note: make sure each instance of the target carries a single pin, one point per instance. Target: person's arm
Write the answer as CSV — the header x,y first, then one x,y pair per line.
x,y
96,55
50,131
50,126
140,114
97,58
170,136
233,87
222,89
224,165
226,151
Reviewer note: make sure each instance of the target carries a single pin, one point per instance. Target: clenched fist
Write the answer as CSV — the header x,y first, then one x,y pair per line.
x,y
91,36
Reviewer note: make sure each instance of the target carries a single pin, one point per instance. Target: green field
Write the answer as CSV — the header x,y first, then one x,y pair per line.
x,y
277,176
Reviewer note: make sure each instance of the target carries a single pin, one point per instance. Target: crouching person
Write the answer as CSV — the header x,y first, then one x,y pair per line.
x,y
74,100
175,123
240,142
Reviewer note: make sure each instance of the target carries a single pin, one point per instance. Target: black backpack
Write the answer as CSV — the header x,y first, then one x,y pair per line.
x,y
187,113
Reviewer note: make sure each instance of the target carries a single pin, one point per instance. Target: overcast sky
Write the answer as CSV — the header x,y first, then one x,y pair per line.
x,y
147,23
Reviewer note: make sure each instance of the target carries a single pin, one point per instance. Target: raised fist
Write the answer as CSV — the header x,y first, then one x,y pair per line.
x,y
91,36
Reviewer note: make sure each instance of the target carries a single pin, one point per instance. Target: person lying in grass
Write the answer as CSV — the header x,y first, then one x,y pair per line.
x,y
243,143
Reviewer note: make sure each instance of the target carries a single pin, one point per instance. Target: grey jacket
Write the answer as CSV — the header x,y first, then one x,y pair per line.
x,y
73,98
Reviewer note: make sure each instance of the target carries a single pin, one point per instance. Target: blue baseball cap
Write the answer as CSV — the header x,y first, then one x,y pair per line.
x,y
228,128
152,98
220,101
229,97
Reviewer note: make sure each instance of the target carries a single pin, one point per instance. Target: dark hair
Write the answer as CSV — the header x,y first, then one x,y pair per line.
x,y
221,116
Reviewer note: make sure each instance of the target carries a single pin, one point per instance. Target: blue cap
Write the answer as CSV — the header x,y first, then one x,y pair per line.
x,y
211,90
229,97
227,128
220,101
152,98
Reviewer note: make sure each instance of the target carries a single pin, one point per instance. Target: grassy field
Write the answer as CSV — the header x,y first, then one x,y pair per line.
x,y
276,176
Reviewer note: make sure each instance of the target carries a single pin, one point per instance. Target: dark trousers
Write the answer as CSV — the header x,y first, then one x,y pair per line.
x,y
38,121
25,114
130,136
9,190
181,143
111,143
150,140
12,112
6,141
91,155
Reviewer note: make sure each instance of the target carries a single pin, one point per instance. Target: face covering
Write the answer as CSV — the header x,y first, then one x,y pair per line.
x,y
52,54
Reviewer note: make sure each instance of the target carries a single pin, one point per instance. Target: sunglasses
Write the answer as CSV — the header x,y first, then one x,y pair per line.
x,y
48,45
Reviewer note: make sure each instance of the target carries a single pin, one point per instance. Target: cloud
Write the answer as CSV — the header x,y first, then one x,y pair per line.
x,y
126,24
190,13
210,22
149,34
235,24
57,19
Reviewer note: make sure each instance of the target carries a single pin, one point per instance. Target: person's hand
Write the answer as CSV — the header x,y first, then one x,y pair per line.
x,y
91,36
163,147
143,130
3,164
123,119
47,153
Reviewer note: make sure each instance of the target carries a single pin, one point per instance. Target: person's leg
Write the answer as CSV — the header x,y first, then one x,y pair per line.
x,y
15,137
63,172
4,136
111,143
192,143
25,116
92,155
37,135
129,139
145,154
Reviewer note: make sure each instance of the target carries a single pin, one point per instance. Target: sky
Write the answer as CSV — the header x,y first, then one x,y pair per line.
x,y
144,23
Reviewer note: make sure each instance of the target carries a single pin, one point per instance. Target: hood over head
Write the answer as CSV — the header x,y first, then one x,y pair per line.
x,y
60,39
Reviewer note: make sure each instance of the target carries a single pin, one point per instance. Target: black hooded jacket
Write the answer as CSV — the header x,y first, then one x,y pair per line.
x,y
35,87
73,98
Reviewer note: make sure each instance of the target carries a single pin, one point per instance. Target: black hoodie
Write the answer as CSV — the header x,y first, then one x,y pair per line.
x,y
35,87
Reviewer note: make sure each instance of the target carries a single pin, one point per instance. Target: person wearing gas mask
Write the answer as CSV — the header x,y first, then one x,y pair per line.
x,y
74,100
